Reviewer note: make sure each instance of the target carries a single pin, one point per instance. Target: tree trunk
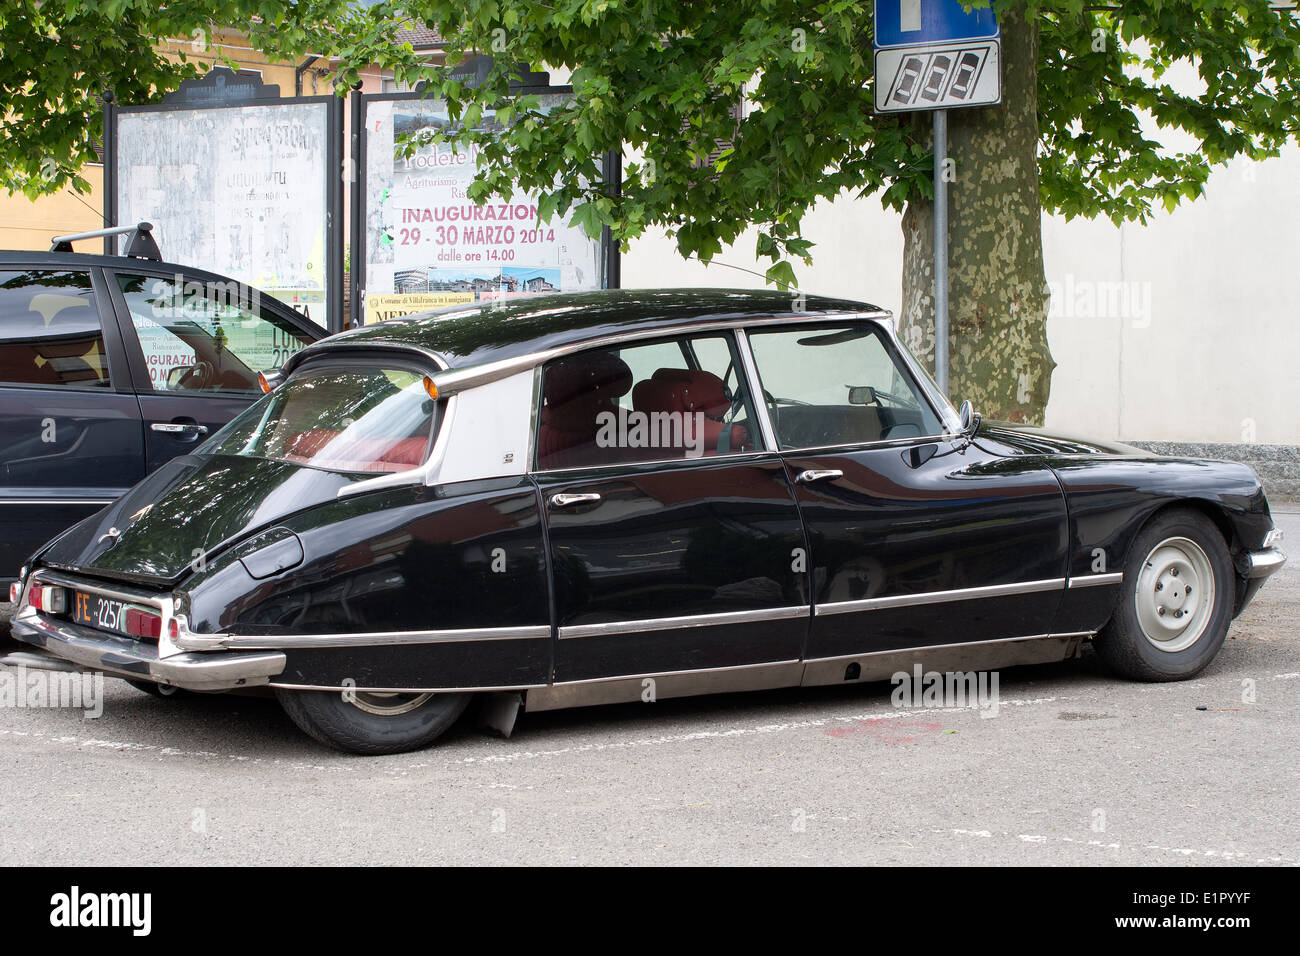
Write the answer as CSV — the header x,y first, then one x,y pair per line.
x,y
998,354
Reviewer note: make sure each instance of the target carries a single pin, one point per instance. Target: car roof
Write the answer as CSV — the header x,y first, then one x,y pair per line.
x,y
83,260
86,260
511,329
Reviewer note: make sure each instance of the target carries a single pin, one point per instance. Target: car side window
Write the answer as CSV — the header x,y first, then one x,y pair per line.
x,y
668,400
838,384
50,332
200,336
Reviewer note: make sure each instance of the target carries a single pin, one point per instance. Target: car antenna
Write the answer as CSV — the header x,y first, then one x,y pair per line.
x,y
719,262
141,245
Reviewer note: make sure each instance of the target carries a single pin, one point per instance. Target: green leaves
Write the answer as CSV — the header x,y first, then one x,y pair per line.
x,y
732,116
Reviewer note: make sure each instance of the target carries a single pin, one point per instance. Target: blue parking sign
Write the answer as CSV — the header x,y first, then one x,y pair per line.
x,y
909,22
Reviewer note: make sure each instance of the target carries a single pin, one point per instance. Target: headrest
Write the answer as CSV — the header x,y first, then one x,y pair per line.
x,y
592,375
695,390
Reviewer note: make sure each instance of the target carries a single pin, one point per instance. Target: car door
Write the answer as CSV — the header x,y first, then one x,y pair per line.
x,y
70,436
917,538
197,343
673,534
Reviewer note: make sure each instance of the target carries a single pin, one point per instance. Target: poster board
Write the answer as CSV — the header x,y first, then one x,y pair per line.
x,y
242,190
427,245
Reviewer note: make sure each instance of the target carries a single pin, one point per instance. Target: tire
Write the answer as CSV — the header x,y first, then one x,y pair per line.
x,y
156,690
372,724
1176,601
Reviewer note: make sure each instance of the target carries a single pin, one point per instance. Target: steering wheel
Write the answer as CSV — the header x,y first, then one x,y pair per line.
x,y
201,376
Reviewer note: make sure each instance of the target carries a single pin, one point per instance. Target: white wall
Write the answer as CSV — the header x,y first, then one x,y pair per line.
x,y
1182,330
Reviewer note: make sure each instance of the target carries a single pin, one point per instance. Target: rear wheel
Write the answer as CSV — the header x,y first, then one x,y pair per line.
x,y
367,722
1177,601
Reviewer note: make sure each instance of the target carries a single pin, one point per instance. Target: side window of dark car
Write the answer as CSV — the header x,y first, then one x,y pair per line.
x,y
838,385
201,335
667,400
49,330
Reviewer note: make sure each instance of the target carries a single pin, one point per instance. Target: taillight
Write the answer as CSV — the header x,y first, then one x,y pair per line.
x,y
141,623
47,598
15,592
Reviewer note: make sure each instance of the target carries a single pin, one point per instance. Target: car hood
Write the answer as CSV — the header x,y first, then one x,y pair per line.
x,y
191,507
1007,438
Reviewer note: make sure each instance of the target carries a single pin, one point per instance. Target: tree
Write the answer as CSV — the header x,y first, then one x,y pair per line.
x,y
57,59
1084,90
1085,95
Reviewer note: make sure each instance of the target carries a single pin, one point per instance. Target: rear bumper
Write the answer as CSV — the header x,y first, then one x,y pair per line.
x,y
126,657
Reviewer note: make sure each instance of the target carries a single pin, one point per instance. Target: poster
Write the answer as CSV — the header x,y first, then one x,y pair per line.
x,y
423,236
239,190
380,307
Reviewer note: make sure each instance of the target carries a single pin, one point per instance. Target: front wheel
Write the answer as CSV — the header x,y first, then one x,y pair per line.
x,y
367,722
1177,601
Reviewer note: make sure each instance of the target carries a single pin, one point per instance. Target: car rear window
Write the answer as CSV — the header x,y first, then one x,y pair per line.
x,y
338,419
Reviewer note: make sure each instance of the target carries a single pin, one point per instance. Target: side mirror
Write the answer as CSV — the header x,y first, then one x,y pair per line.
x,y
176,374
970,419
862,395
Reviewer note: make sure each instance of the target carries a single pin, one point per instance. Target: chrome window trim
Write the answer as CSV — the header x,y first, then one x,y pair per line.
x,y
454,380
905,360
1095,580
755,386
760,415
622,467
614,628
940,597
421,475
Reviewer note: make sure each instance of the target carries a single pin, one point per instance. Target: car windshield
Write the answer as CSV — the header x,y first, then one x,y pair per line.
x,y
337,419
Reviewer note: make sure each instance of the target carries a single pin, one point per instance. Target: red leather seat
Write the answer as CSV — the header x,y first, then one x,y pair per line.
x,y
575,391
685,392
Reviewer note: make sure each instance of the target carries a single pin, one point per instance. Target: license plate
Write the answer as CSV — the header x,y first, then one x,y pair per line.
x,y
98,612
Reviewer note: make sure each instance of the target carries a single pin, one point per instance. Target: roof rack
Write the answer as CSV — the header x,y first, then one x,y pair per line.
x,y
141,246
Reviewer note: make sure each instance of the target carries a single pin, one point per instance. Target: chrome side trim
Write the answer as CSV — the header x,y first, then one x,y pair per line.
x,y
1260,564
57,501
406,690
1096,580
940,597
612,628
380,638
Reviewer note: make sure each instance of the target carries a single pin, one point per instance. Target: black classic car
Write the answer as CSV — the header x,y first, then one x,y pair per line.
x,y
111,365
614,496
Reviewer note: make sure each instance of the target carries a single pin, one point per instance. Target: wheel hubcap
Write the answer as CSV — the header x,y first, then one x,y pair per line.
x,y
388,705
1175,594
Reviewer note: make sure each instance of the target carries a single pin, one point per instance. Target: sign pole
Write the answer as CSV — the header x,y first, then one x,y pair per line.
x,y
940,251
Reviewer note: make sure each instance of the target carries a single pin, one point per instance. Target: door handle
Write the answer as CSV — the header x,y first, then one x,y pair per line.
x,y
178,428
818,474
563,501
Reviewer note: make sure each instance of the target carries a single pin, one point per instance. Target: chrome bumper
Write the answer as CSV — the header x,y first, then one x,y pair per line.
x,y
1260,564
126,657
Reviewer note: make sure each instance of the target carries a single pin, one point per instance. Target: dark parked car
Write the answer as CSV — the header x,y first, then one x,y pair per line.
x,y
582,499
111,365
